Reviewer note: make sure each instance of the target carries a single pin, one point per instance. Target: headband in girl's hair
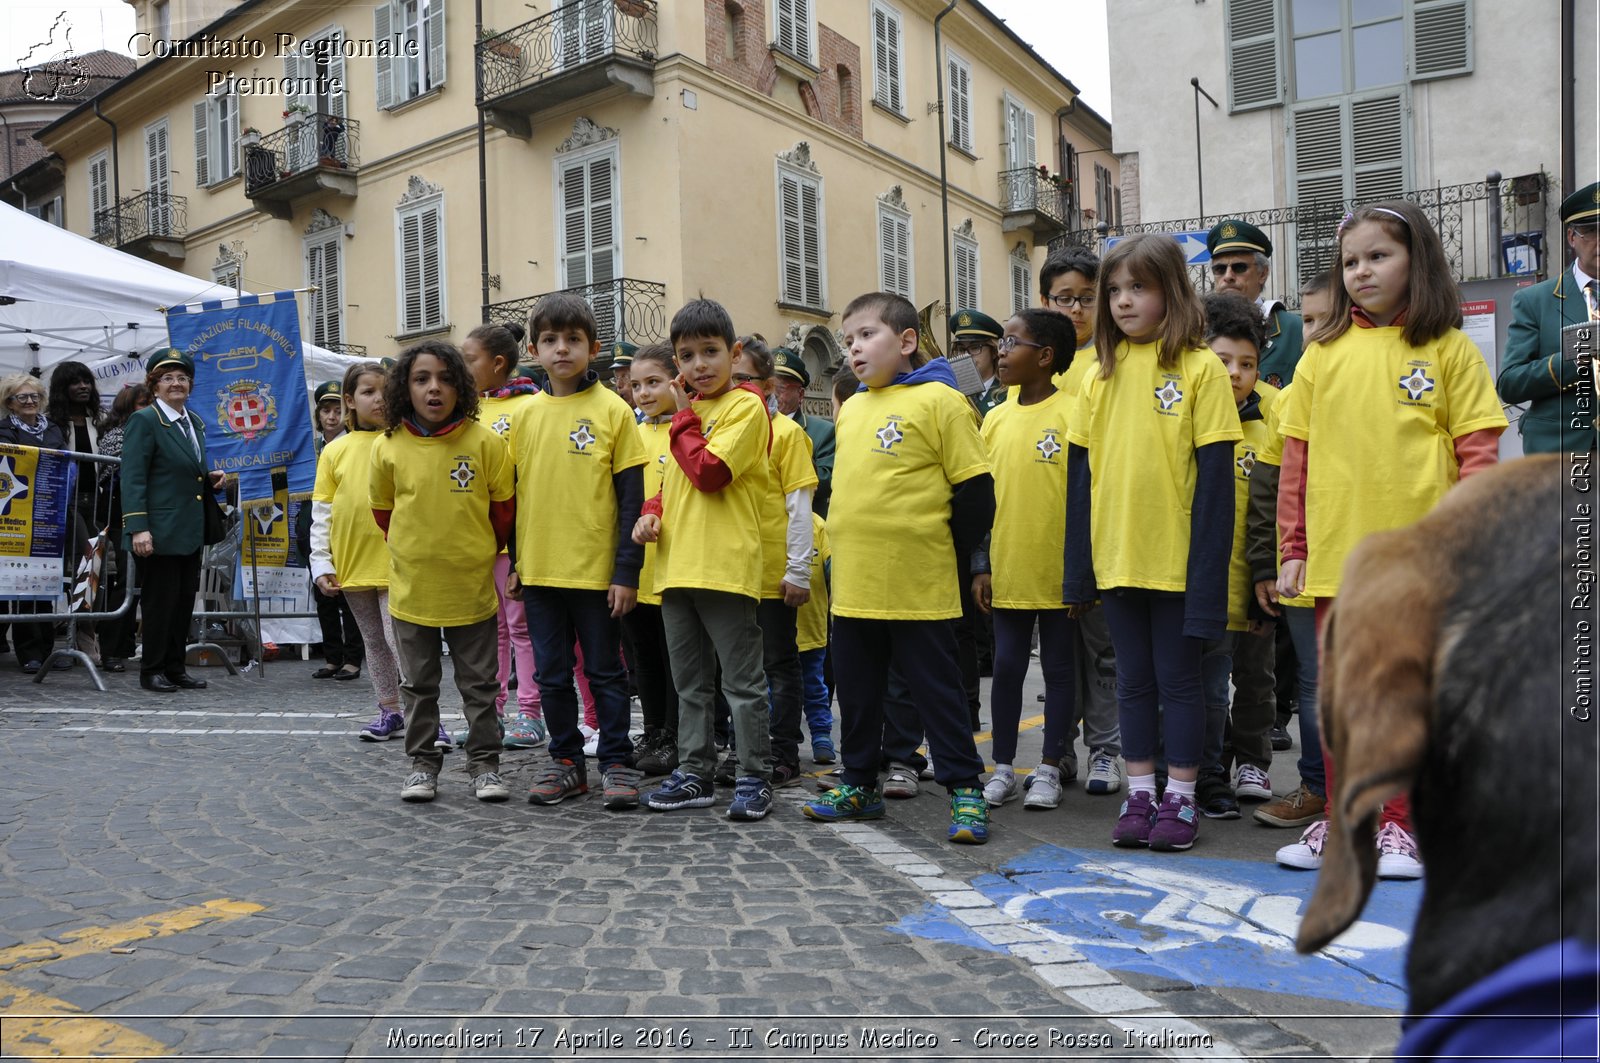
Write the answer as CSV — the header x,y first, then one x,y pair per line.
x,y
1348,218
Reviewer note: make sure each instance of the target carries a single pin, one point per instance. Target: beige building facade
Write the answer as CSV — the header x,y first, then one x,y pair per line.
x,y
780,156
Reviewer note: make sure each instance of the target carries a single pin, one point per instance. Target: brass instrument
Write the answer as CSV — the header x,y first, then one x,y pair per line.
x,y
927,338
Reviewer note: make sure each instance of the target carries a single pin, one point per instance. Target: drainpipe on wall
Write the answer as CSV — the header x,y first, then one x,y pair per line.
x,y
944,187
1569,113
483,180
10,164
116,177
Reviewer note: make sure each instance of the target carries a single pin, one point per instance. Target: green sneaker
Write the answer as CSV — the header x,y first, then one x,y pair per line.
x,y
969,817
845,802
523,732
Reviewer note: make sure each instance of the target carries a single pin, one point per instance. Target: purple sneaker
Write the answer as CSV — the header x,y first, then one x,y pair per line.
x,y
1177,824
1133,825
383,727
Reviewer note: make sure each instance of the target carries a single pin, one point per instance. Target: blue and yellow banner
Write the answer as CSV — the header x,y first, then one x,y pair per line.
x,y
36,489
250,389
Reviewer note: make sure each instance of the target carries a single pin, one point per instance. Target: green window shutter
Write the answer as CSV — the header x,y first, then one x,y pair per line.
x,y
1440,39
1255,57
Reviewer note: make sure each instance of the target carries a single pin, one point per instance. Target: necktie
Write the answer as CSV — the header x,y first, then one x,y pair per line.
x,y
1591,293
188,430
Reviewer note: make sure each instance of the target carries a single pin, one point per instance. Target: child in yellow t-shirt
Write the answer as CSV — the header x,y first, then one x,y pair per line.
x,y
435,468
1391,358
707,528
579,480
811,638
491,353
656,752
1236,332
1018,579
1150,520
911,487
348,556
786,566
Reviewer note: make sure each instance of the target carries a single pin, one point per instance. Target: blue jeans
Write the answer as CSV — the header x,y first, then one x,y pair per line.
x,y
818,698
558,616
1158,676
1013,637
1303,630
1216,667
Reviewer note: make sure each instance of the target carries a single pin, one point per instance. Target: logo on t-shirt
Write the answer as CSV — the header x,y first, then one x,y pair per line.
x,y
889,435
1417,383
1048,446
1168,394
1246,461
463,474
581,437
502,424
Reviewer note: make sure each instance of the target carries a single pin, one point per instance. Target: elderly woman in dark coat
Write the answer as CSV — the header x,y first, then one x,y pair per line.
x,y
23,423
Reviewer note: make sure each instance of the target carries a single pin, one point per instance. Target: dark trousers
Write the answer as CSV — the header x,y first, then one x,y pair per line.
x,y
1158,676
1302,625
972,644
658,698
558,616
341,638
902,727
33,642
1013,639
780,659
167,586
925,653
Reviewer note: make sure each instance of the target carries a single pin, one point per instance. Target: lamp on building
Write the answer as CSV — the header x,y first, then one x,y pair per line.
x,y
1199,165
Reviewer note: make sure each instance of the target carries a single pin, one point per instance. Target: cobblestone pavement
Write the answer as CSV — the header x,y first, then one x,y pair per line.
x,y
230,874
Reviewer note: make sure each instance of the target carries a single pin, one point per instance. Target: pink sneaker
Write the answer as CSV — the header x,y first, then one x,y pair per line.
x,y
1133,825
1177,824
1306,854
1397,853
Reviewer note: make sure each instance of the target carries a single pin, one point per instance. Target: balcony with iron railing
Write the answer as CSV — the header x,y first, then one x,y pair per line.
x,y
624,310
149,224
313,153
1031,198
578,50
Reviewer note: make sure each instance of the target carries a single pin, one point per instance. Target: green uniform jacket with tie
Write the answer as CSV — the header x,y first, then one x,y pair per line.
x,y
163,482
822,445
1285,338
1533,362
990,397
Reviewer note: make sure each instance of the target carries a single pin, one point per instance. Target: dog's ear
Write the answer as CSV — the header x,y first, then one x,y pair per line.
x,y
1375,701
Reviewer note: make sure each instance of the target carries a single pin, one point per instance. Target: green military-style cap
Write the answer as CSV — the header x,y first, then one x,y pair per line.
x,y
328,391
786,361
622,354
169,357
976,324
1582,207
1231,234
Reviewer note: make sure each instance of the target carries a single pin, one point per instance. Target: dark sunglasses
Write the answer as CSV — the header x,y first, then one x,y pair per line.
x,y
1221,269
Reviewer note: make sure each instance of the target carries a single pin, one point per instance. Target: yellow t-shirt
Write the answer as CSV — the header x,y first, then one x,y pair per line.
x,y
501,414
899,451
1380,418
1246,453
791,471
1028,452
655,438
566,450
360,556
811,626
1070,378
441,544
1272,454
712,539
1141,428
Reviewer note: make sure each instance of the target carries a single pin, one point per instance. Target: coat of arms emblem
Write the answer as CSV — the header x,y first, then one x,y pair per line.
x,y
247,408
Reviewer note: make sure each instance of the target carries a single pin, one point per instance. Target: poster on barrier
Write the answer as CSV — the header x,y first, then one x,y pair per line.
x,y
36,487
271,562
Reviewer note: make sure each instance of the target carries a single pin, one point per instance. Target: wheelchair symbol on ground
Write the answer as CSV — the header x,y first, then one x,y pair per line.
x,y
1219,923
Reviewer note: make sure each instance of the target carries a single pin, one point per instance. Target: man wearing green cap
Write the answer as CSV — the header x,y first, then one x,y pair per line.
x,y
1536,370
977,335
789,369
622,354
1241,262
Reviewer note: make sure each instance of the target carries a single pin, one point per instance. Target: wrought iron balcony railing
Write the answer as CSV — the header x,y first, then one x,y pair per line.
x,y
573,35
624,309
1031,190
354,350
149,214
317,140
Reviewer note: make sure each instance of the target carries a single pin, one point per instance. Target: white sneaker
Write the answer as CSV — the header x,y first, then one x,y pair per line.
x,y
1397,853
1252,784
1306,853
1002,786
1105,774
591,740
420,786
1044,788
488,786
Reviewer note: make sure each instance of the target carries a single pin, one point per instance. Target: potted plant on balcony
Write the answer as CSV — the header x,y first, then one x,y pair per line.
x,y
249,137
495,44
296,113
633,8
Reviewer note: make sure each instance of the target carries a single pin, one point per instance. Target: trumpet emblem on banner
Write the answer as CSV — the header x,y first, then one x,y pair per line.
x,y
246,408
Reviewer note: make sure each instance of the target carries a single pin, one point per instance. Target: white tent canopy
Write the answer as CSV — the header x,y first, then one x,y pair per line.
x,y
68,297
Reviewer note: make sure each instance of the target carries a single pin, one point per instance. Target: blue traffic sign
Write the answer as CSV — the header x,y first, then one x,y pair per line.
x,y
1193,246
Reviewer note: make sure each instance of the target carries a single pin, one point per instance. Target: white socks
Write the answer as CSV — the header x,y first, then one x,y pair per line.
x,y
1142,783
1181,788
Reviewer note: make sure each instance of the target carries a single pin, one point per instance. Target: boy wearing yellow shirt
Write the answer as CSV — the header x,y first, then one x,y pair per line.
x,y
580,480
911,487
707,528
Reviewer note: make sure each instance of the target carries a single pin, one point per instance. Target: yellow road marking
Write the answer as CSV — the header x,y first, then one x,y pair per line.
x,y
36,1026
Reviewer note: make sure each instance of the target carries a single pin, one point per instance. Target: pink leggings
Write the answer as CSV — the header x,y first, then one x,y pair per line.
x,y
512,623
371,610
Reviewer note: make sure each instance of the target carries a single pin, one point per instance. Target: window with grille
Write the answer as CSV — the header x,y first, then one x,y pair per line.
x,y
419,261
888,81
802,262
589,231
959,86
894,250
965,250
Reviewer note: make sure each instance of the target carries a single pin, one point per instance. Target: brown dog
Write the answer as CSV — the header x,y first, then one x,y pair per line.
x,y
1443,661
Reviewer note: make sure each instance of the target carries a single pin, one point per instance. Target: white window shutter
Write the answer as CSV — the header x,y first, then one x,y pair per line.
x,y
1021,275
337,105
574,194
811,230
960,105
1440,39
384,64
1255,55
1377,147
293,70
202,140
894,252
603,244
1030,141
787,34
411,273
99,195
436,42
886,262
966,255
792,249
886,58
432,267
